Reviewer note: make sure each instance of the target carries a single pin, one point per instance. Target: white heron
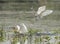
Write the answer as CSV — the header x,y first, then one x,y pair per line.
x,y
25,31
43,12
22,30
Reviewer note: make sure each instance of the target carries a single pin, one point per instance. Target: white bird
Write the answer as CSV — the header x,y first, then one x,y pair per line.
x,y
43,12
22,29
25,31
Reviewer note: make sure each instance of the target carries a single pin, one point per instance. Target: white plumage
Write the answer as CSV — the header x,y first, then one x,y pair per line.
x,y
25,28
40,9
18,27
43,12
22,29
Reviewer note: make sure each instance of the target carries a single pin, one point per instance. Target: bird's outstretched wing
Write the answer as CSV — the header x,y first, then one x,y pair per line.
x,y
41,9
25,28
45,13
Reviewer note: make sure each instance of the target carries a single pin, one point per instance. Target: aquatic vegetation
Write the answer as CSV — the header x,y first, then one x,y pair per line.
x,y
2,35
58,42
14,40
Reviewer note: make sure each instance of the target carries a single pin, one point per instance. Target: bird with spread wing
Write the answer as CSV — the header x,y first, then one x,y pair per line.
x,y
43,12
22,31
